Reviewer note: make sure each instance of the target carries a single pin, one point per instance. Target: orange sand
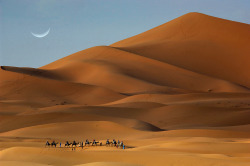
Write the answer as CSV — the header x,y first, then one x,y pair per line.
x,y
177,95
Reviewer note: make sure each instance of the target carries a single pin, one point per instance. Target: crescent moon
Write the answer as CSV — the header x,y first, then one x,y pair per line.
x,y
42,34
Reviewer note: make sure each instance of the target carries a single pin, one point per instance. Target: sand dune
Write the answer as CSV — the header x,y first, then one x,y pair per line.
x,y
32,71
84,115
111,67
92,129
177,94
186,98
51,92
201,43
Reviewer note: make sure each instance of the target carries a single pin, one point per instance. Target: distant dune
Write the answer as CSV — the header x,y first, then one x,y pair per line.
x,y
178,94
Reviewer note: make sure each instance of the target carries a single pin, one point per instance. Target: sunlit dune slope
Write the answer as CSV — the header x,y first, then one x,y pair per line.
x,y
198,42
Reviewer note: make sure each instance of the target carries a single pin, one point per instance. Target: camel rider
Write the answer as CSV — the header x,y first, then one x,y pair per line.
x,y
107,142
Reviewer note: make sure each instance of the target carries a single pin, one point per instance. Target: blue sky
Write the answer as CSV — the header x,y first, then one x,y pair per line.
x,y
79,24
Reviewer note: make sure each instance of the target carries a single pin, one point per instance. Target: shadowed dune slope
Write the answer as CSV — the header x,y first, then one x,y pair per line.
x,y
32,72
131,73
37,117
37,89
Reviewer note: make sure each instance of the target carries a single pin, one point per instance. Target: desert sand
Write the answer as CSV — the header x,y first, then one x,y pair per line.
x,y
176,95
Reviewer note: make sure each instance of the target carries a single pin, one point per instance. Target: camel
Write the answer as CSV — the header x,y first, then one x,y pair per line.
x,y
108,143
74,143
120,145
95,143
47,144
87,142
54,144
114,142
67,144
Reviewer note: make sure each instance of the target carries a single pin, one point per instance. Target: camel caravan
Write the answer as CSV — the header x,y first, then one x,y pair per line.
x,y
74,144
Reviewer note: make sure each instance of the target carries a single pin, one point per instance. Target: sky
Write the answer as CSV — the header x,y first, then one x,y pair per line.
x,y
79,24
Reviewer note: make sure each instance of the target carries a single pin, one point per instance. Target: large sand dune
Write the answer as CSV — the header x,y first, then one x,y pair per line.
x,y
201,43
177,94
